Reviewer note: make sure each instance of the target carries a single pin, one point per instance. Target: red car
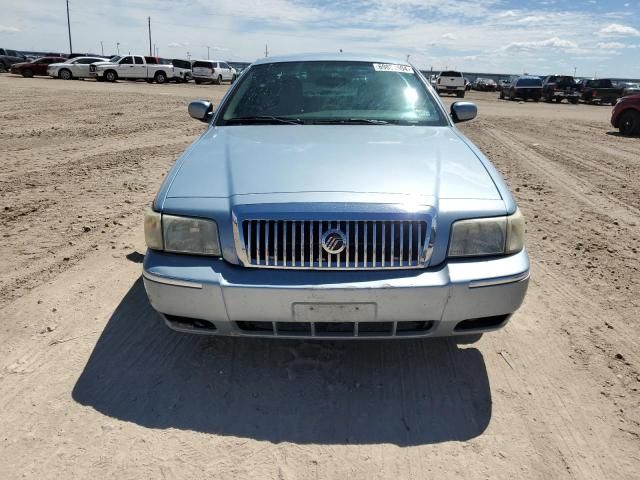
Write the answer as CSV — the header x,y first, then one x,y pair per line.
x,y
37,67
626,115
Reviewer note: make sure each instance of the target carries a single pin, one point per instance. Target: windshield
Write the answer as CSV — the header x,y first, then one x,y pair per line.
x,y
529,82
115,59
324,92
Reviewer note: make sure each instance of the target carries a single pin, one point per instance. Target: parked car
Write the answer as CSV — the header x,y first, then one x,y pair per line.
x,y
560,87
307,210
626,115
524,87
601,90
451,81
629,88
239,67
209,71
37,67
182,72
77,67
9,57
502,84
485,85
131,67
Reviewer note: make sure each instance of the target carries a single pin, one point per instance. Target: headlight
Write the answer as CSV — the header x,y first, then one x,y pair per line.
x,y
487,236
175,234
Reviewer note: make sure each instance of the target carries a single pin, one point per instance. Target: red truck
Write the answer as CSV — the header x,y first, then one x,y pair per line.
x,y
626,115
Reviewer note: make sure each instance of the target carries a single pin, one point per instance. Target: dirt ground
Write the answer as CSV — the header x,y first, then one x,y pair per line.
x,y
92,385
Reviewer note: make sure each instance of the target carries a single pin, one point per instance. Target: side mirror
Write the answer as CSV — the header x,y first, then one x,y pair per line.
x,y
463,111
201,110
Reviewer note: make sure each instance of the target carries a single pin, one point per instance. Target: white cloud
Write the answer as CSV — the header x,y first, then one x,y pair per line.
x,y
616,29
6,29
449,36
611,45
554,42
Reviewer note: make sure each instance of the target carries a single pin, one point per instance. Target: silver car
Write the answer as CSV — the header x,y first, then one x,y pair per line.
x,y
332,196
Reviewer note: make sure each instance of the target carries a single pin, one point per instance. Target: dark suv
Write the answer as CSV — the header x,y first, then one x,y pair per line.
x,y
524,87
559,87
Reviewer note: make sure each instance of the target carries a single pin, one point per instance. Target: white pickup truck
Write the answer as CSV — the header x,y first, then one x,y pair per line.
x,y
131,67
451,82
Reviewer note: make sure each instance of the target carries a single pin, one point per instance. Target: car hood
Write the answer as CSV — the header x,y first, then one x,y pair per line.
x,y
416,161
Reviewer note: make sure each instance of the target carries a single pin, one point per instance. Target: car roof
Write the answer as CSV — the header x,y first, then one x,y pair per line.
x,y
328,57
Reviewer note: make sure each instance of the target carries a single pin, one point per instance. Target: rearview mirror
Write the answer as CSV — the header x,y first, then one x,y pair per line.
x,y
463,111
201,110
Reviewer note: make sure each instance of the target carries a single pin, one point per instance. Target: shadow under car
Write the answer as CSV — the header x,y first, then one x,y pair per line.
x,y
404,392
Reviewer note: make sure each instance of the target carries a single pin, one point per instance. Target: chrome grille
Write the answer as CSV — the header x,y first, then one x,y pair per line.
x,y
370,244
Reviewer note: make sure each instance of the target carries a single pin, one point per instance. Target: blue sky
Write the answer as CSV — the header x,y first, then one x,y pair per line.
x,y
512,36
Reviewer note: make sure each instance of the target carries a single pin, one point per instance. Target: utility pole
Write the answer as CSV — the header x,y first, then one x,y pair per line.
x,y
101,48
575,70
188,56
150,51
69,28
118,47
208,48
266,50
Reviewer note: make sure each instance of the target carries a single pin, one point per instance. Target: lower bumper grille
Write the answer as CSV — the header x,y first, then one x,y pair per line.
x,y
335,244
337,329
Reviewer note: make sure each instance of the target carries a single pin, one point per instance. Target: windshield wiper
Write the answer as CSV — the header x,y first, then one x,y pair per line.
x,y
349,121
265,118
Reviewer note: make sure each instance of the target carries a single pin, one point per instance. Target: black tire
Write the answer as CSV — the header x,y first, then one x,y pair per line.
x,y
160,78
537,99
548,99
27,73
501,95
629,123
65,74
110,76
219,80
198,81
574,101
234,78
460,94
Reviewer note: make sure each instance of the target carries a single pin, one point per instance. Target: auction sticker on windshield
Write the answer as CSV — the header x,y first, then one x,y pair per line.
x,y
390,67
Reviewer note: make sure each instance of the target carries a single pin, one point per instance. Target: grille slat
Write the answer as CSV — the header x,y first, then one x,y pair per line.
x,y
370,244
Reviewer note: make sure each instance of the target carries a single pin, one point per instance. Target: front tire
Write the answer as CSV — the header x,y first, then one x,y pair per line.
x,y
219,80
65,74
27,73
198,81
501,95
110,76
630,123
460,94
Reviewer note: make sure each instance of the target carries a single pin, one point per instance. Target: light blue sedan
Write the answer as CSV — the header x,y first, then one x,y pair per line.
x,y
332,196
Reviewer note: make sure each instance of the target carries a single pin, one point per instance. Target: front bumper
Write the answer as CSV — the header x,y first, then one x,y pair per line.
x,y
228,298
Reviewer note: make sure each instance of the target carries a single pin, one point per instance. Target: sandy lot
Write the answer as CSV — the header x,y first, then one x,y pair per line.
x,y
92,385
